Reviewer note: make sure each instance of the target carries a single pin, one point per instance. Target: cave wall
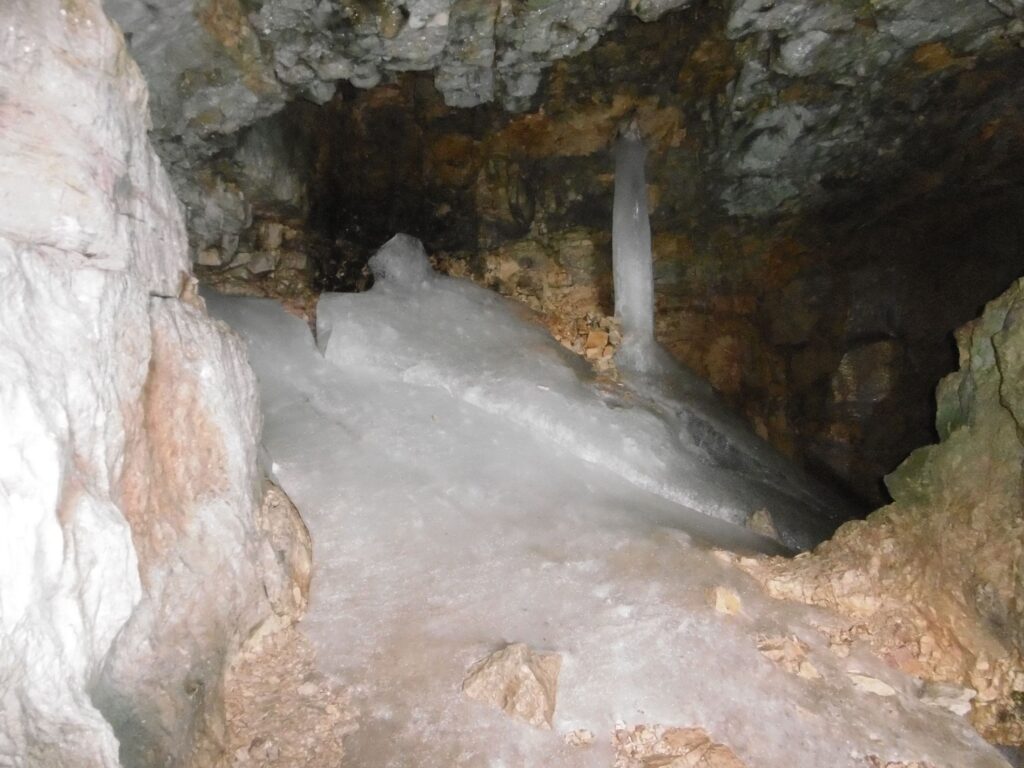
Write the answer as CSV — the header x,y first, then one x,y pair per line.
x,y
833,186
132,560
933,582
812,270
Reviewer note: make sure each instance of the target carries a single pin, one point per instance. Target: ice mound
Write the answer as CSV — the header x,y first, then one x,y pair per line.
x,y
403,261
431,331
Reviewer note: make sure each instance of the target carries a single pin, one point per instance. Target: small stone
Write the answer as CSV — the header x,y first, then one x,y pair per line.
x,y
272,235
262,263
295,260
948,696
597,340
840,649
209,257
656,746
789,653
760,521
518,680
307,689
725,600
870,684
581,737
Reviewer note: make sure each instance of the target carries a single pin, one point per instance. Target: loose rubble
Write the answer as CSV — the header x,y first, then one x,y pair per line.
x,y
658,746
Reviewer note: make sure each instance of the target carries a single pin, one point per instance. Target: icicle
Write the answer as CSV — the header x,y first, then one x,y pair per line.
x,y
633,272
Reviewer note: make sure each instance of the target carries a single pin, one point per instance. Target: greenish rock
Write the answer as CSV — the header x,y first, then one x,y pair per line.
x,y
978,412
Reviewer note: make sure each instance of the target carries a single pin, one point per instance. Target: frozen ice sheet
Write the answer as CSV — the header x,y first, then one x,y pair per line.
x,y
423,329
466,486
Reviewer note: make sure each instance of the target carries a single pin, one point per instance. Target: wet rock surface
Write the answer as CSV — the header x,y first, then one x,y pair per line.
x,y
788,106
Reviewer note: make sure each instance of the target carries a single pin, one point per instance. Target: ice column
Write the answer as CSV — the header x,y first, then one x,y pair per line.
x,y
631,255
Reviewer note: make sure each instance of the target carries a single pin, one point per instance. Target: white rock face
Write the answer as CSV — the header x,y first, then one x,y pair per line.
x,y
68,571
190,489
128,421
78,172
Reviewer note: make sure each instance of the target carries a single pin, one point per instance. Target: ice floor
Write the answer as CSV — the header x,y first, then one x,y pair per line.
x,y
467,485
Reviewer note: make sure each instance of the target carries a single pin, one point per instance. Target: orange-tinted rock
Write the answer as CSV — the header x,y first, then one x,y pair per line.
x,y
657,746
518,680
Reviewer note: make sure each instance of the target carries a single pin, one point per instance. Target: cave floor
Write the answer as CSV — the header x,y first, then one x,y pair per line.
x,y
444,531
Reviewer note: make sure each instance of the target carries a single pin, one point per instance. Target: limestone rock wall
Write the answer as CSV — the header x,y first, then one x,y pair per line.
x,y
933,581
131,563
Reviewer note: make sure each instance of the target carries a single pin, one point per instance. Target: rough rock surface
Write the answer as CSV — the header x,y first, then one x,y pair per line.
x,y
131,560
932,581
817,171
813,99
519,680
279,710
657,746
289,569
218,67
190,489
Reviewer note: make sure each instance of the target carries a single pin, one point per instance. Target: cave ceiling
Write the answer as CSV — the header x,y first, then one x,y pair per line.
x,y
824,101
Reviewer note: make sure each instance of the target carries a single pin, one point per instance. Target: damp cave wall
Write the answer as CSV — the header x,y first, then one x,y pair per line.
x,y
816,240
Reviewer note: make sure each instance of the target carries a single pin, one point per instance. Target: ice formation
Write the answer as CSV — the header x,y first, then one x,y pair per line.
x,y
431,331
467,485
650,367
632,266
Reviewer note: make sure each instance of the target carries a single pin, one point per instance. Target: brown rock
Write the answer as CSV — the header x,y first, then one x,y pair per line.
x,y
645,746
789,653
582,737
725,600
597,340
289,550
518,680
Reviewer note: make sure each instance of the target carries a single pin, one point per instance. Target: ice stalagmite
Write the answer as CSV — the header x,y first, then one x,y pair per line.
x,y
631,255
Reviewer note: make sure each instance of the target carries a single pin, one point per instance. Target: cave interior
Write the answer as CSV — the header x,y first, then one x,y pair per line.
x,y
323,443
820,228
